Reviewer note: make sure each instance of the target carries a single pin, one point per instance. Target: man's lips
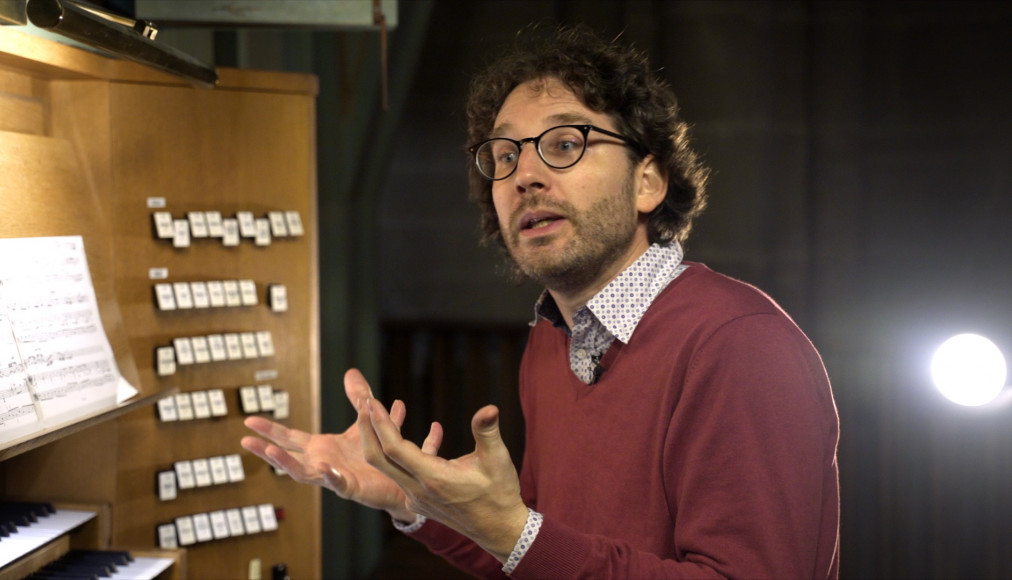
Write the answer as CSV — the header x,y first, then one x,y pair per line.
x,y
536,220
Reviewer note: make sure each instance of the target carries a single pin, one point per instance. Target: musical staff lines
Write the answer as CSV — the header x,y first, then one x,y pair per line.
x,y
17,408
55,360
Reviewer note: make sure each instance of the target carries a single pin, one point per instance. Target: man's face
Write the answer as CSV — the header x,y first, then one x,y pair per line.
x,y
569,229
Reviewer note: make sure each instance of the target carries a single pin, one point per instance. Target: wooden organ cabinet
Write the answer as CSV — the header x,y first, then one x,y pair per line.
x,y
207,323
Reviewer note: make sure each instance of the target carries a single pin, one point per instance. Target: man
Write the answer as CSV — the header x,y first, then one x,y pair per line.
x,y
678,423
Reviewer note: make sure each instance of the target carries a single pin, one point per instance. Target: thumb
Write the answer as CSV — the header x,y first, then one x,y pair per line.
x,y
485,427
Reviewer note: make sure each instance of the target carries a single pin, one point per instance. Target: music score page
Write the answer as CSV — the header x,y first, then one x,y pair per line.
x,y
56,363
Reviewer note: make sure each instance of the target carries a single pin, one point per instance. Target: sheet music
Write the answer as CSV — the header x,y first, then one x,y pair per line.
x,y
58,362
16,405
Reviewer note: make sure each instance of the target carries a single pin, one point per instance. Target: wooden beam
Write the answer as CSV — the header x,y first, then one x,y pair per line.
x,y
13,12
343,15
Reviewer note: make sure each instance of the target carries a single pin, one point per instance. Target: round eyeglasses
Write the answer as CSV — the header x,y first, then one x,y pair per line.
x,y
559,147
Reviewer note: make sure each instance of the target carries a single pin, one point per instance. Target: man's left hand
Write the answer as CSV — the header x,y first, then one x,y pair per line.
x,y
477,494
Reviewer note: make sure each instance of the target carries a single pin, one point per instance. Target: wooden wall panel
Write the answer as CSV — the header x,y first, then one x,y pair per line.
x,y
222,150
20,114
85,143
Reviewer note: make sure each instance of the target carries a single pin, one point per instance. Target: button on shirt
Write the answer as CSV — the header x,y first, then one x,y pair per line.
x,y
615,311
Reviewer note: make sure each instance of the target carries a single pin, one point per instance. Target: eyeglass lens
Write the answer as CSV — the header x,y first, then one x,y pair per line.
x,y
559,147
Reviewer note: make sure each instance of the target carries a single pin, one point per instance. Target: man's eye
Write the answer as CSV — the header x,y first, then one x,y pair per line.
x,y
566,146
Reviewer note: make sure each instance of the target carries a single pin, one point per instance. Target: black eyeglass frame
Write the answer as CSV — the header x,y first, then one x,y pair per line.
x,y
584,129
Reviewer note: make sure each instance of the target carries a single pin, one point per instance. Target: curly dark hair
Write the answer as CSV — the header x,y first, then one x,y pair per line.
x,y
608,77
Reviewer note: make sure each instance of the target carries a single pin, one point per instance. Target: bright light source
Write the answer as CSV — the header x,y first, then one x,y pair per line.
x,y
969,369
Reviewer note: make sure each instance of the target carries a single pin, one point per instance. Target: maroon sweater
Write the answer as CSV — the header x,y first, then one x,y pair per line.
x,y
706,449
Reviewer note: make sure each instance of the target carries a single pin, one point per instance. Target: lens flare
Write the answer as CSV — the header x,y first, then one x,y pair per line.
x,y
969,370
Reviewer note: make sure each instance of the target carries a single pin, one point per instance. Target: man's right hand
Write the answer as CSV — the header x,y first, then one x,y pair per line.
x,y
335,462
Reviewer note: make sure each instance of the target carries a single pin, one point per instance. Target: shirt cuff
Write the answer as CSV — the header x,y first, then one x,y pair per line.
x,y
525,540
410,527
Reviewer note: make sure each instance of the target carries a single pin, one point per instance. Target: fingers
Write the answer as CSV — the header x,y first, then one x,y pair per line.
x,y
258,424
382,444
398,412
278,454
485,427
356,388
275,457
433,440
488,443
262,449
372,448
388,432
255,444
291,439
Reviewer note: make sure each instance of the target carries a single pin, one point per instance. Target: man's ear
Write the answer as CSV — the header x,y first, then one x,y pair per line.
x,y
652,184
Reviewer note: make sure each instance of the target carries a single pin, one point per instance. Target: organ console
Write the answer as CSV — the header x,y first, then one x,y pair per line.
x,y
101,149
27,526
101,564
36,542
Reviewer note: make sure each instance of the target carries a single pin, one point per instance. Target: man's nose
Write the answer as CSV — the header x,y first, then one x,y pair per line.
x,y
531,169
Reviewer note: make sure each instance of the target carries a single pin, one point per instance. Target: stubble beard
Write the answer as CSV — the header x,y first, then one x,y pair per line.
x,y
601,236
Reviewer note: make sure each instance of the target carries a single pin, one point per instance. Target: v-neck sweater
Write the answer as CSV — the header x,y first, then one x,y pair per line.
x,y
707,447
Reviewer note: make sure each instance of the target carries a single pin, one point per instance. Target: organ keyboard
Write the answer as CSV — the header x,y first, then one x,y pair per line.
x,y
27,528
100,565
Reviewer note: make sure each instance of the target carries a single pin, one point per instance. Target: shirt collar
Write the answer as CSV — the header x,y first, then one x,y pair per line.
x,y
620,305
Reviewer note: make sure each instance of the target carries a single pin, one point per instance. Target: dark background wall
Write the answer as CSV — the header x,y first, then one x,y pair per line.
x,y
862,176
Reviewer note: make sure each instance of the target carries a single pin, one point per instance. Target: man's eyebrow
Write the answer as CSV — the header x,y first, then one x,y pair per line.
x,y
500,130
570,119
557,119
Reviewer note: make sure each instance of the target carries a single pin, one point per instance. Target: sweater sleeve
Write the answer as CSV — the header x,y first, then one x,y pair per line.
x,y
458,550
749,470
